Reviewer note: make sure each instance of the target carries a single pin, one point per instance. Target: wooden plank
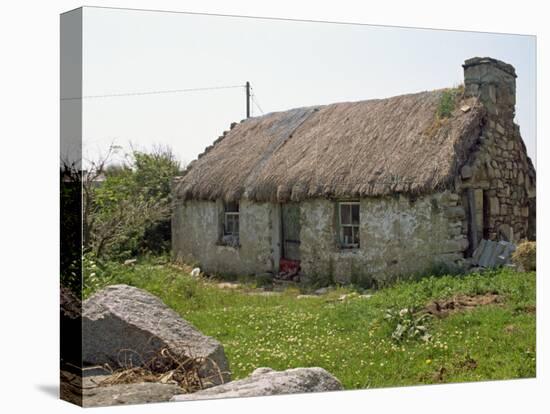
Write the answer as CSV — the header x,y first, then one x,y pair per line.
x,y
472,222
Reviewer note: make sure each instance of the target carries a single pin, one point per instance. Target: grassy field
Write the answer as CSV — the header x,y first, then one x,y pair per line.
x,y
351,338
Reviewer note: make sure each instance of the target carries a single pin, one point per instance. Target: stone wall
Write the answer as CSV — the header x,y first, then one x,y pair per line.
x,y
499,173
196,231
399,236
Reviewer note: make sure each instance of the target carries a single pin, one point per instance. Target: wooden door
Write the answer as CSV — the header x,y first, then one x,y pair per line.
x,y
291,231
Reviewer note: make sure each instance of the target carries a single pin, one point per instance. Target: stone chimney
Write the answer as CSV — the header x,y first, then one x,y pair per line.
x,y
493,82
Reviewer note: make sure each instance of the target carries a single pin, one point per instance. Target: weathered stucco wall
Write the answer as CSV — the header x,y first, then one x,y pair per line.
x,y
399,237
196,228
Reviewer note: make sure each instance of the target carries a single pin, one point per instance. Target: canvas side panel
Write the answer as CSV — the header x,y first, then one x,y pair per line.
x,y
71,206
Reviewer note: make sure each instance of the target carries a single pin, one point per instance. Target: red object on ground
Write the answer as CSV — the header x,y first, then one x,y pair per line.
x,y
289,266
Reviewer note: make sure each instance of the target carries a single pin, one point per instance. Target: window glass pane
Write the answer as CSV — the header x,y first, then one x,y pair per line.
x,y
236,225
345,214
347,234
356,235
355,214
228,224
232,207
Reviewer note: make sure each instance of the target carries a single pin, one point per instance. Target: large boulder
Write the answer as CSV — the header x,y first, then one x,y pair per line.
x,y
144,392
265,381
124,326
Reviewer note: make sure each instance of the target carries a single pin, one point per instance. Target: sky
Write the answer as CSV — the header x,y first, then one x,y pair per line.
x,y
288,63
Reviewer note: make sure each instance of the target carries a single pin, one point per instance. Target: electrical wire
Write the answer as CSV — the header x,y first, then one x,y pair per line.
x,y
255,101
142,93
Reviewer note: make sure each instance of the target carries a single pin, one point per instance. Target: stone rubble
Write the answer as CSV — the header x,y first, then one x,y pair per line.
x,y
265,381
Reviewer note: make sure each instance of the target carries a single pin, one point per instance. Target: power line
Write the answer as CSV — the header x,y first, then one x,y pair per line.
x,y
256,102
158,92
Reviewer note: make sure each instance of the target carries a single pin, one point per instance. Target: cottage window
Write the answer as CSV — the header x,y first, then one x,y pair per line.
x,y
231,224
349,224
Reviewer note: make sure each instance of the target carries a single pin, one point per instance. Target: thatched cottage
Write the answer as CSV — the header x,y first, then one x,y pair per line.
x,y
359,191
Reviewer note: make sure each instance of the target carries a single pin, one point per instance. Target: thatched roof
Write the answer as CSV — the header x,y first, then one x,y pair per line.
x,y
351,149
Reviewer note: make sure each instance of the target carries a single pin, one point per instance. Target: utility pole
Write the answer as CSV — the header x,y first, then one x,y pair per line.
x,y
247,99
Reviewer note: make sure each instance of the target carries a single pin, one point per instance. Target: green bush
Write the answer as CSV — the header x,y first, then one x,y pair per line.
x,y
128,213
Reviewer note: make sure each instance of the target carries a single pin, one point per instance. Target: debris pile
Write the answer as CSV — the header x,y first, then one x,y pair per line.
x,y
289,270
491,254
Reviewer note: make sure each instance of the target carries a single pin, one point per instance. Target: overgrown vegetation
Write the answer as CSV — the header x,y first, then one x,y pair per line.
x,y
448,101
351,337
126,207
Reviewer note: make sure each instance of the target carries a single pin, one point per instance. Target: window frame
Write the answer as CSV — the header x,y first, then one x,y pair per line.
x,y
355,228
234,216
231,215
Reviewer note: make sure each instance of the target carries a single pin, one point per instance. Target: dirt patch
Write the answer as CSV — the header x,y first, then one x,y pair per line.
x,y
529,309
461,303
468,363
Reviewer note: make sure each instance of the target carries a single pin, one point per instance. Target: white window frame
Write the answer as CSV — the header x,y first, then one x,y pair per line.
x,y
233,215
226,222
355,228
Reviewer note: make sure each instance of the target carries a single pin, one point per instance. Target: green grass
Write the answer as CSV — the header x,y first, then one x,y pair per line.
x,y
351,338
447,102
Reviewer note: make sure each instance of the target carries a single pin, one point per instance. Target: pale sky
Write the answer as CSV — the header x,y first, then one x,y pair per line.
x,y
289,64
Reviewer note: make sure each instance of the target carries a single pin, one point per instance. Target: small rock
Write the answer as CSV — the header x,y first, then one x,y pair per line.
x,y
465,108
130,262
228,285
305,296
196,272
265,381
348,296
475,269
322,291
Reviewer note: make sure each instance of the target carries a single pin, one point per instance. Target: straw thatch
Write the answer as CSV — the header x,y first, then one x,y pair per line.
x,y
351,149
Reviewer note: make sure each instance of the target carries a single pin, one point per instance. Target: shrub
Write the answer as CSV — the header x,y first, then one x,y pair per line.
x,y
525,256
128,213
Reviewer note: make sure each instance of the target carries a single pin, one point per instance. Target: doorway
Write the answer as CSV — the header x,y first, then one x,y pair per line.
x,y
290,224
